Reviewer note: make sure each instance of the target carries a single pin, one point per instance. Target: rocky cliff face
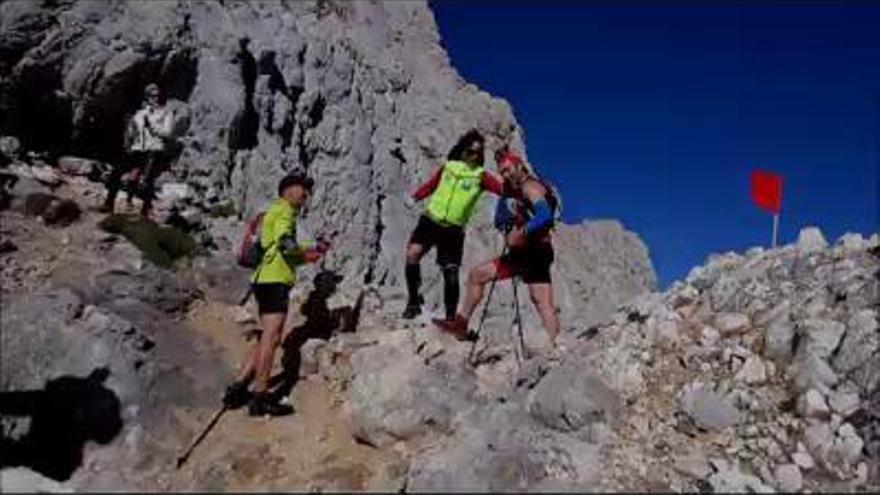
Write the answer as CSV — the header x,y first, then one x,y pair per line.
x,y
363,97
757,373
360,94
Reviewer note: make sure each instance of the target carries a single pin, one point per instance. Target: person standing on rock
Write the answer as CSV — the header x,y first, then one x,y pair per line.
x,y
530,250
272,281
148,136
454,190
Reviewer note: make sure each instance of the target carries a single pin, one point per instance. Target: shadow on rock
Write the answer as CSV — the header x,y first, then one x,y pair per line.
x,y
66,414
321,323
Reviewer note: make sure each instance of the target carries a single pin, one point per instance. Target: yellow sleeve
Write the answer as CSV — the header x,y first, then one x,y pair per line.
x,y
285,237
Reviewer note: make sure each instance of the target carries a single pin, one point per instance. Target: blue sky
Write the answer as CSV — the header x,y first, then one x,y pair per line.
x,y
654,113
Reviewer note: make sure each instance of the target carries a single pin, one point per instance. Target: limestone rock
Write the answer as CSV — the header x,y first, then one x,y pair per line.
x,y
23,480
395,396
803,460
811,371
852,242
734,481
708,408
811,240
812,405
10,146
778,341
569,399
731,323
694,464
788,478
83,167
821,337
844,402
753,371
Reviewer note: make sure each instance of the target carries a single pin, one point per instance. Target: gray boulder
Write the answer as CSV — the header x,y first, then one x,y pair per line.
x,y
811,240
395,396
569,398
779,340
708,408
497,448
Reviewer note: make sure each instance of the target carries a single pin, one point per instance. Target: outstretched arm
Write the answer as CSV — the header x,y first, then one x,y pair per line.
x,y
492,183
429,186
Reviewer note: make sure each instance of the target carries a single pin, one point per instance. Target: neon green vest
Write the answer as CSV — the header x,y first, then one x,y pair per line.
x,y
456,197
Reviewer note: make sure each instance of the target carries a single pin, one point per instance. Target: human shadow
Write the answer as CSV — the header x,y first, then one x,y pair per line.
x,y
67,413
321,323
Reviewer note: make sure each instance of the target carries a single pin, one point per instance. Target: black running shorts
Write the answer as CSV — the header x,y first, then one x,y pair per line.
x,y
272,298
448,239
532,263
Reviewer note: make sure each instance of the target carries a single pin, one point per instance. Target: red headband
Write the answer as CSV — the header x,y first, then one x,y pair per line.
x,y
509,159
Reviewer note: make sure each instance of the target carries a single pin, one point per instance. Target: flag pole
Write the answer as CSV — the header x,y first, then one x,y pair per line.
x,y
775,228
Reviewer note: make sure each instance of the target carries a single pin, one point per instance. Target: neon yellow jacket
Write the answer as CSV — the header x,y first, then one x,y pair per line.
x,y
282,253
456,197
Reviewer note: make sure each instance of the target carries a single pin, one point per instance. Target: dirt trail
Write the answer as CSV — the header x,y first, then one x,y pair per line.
x,y
311,450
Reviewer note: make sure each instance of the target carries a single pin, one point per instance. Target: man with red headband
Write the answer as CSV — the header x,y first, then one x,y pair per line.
x,y
527,224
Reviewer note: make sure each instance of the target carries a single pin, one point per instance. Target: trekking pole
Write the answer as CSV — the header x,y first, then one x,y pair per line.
x,y
485,312
519,351
210,426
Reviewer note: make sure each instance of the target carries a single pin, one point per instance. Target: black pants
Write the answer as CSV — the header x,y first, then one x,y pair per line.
x,y
151,163
449,241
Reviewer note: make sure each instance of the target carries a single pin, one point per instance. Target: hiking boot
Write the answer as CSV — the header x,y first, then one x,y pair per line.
x,y
262,404
458,327
413,309
236,395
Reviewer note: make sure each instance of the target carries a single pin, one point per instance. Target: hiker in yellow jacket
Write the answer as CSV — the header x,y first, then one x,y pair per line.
x,y
455,189
272,281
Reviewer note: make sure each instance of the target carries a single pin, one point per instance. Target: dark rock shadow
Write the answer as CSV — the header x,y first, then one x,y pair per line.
x,y
67,413
321,323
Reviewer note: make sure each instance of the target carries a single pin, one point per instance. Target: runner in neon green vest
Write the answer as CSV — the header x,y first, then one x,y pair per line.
x,y
454,189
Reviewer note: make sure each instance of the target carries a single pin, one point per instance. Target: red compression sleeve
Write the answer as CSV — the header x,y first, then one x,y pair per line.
x,y
492,183
428,187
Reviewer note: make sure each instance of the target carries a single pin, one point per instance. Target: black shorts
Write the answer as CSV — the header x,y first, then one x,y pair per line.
x,y
448,239
532,263
272,298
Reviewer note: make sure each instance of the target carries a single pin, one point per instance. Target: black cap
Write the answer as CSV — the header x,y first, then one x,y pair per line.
x,y
293,179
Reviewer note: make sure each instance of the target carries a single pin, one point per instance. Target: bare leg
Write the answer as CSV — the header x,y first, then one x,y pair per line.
x,y
272,327
478,277
249,363
542,298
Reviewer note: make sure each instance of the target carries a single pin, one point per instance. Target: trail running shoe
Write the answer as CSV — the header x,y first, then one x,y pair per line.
x,y
458,327
263,405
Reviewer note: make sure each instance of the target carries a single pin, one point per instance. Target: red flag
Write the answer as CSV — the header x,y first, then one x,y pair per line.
x,y
767,190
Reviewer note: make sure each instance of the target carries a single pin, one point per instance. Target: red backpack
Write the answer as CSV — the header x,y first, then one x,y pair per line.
x,y
250,252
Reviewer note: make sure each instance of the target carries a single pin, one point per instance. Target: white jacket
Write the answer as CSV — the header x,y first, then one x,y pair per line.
x,y
151,137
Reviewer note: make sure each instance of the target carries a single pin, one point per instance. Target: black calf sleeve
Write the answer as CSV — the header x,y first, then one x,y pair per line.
x,y
450,290
413,282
